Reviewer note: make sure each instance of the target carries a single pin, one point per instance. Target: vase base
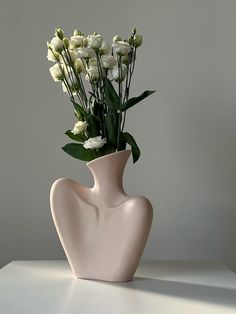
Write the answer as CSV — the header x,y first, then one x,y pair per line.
x,y
104,279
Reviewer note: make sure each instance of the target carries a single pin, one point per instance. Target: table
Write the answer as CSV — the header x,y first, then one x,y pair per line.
x,y
159,287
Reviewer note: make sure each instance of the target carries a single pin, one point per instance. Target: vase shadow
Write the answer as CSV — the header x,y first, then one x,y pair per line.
x,y
126,295
197,292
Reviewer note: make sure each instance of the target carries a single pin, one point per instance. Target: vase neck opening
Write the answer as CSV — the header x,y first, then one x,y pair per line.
x,y
108,172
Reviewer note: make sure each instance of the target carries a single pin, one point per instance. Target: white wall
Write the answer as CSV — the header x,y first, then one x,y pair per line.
x,y
186,131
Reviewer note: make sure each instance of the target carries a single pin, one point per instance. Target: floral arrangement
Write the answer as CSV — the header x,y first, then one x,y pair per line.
x,y
97,78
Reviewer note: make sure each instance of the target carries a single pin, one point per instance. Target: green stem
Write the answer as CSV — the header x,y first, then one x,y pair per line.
x,y
71,76
64,76
102,95
79,81
123,124
120,98
128,81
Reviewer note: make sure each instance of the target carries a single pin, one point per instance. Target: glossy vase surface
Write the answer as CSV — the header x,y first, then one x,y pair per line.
x,y
103,230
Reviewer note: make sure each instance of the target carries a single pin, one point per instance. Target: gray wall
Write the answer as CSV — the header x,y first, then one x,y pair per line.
x,y
187,131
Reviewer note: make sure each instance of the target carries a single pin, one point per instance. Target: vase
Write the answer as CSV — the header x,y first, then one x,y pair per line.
x,y
103,231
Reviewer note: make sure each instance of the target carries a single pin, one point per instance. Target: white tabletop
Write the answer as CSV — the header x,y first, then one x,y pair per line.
x,y
160,287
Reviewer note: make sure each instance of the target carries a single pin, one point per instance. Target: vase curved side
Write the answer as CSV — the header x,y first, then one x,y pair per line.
x,y
103,230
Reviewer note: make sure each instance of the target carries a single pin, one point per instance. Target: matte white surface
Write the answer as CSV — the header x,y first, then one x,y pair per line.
x,y
47,287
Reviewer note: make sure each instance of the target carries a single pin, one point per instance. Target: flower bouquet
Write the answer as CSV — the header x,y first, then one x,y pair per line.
x,y
97,78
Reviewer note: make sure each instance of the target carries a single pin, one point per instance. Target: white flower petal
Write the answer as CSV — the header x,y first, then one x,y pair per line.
x,y
56,72
94,41
79,127
95,142
121,48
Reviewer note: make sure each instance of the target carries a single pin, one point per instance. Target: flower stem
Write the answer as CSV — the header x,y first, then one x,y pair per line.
x,y
128,80
73,77
120,98
79,80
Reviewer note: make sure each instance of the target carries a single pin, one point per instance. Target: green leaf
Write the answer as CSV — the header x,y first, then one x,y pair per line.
x,y
106,149
95,109
93,128
133,101
111,98
134,147
111,123
75,137
79,152
79,109
122,145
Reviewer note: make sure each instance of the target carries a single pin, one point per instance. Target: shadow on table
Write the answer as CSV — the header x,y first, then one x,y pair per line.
x,y
203,293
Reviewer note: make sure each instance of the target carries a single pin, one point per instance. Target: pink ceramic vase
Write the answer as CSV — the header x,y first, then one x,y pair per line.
x,y
103,230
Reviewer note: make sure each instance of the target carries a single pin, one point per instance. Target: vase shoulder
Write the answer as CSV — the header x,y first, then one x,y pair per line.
x,y
66,188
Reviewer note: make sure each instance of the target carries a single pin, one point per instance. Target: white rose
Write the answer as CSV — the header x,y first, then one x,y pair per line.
x,y
94,41
76,41
93,62
79,127
56,44
73,55
126,59
108,62
86,53
52,55
105,48
116,39
121,48
77,32
79,66
56,72
94,142
92,74
117,76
